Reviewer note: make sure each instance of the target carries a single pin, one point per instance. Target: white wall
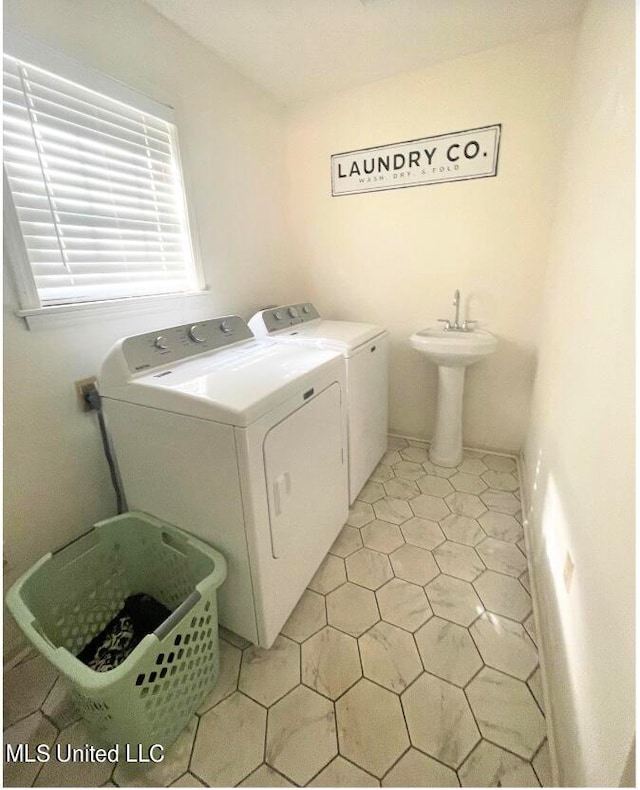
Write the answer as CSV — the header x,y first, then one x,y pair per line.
x,y
580,448
56,479
395,258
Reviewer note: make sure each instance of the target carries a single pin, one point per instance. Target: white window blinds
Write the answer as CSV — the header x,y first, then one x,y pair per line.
x,y
97,191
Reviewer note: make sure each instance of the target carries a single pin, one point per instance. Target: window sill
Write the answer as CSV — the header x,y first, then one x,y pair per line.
x,y
73,314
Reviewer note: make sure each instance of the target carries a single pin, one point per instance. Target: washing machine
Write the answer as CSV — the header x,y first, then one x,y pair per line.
x,y
241,442
365,348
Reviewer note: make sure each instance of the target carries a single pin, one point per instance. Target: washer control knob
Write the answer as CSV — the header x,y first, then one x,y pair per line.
x,y
226,328
161,343
306,309
197,334
278,315
293,312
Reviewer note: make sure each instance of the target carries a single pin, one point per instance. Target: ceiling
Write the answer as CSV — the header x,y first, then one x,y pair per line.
x,y
301,49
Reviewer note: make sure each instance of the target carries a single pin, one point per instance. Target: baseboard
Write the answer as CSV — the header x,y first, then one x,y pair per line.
x,y
539,635
475,449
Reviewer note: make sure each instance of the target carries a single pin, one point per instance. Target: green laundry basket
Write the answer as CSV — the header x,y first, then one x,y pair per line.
x,y
68,597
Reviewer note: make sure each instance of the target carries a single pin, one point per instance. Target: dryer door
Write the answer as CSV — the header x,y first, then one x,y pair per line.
x,y
306,487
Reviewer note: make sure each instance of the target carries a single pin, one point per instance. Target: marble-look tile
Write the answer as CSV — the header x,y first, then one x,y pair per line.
x,y
503,595
330,662
416,454
265,776
500,463
33,730
462,529
429,507
371,492
501,556
371,728
463,504
504,645
307,618
454,600
237,720
360,513
267,675
368,568
401,489
501,501
440,722
26,686
501,526
301,735
233,639
535,686
524,581
175,763
330,575
352,609
391,457
530,625
389,657
490,766
56,773
423,533
500,481
456,559
59,706
542,766
414,564
408,470
186,780
342,773
381,473
415,769
467,483
472,466
404,604
227,681
395,511
382,536
434,485
348,541
396,442
506,712
448,651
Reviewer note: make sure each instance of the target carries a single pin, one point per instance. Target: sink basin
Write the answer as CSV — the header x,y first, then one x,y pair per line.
x,y
452,352
453,349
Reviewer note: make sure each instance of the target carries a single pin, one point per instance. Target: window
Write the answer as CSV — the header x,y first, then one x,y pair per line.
x,y
93,182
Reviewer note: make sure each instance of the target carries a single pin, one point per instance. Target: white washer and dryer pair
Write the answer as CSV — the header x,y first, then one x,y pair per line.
x,y
365,348
241,442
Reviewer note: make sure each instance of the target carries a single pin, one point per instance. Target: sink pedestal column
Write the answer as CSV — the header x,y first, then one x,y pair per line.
x,y
446,447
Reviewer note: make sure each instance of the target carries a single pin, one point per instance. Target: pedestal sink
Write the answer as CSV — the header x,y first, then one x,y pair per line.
x,y
452,351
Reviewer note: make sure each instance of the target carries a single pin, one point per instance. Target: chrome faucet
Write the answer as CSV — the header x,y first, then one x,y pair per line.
x,y
466,326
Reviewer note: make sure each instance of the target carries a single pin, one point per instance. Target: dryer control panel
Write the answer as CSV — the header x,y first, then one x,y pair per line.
x,y
289,315
142,352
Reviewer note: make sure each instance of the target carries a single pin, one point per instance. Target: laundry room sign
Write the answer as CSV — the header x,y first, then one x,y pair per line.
x,y
456,156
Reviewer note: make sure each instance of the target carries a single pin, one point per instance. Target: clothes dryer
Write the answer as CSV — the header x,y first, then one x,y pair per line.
x,y
365,348
240,442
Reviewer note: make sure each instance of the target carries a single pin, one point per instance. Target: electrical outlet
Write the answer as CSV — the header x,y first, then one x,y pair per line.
x,y
568,571
83,386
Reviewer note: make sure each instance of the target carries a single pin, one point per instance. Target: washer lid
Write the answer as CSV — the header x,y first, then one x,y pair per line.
x,y
234,385
343,336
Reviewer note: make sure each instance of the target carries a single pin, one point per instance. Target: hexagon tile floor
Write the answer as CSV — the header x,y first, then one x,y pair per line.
x,y
409,661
